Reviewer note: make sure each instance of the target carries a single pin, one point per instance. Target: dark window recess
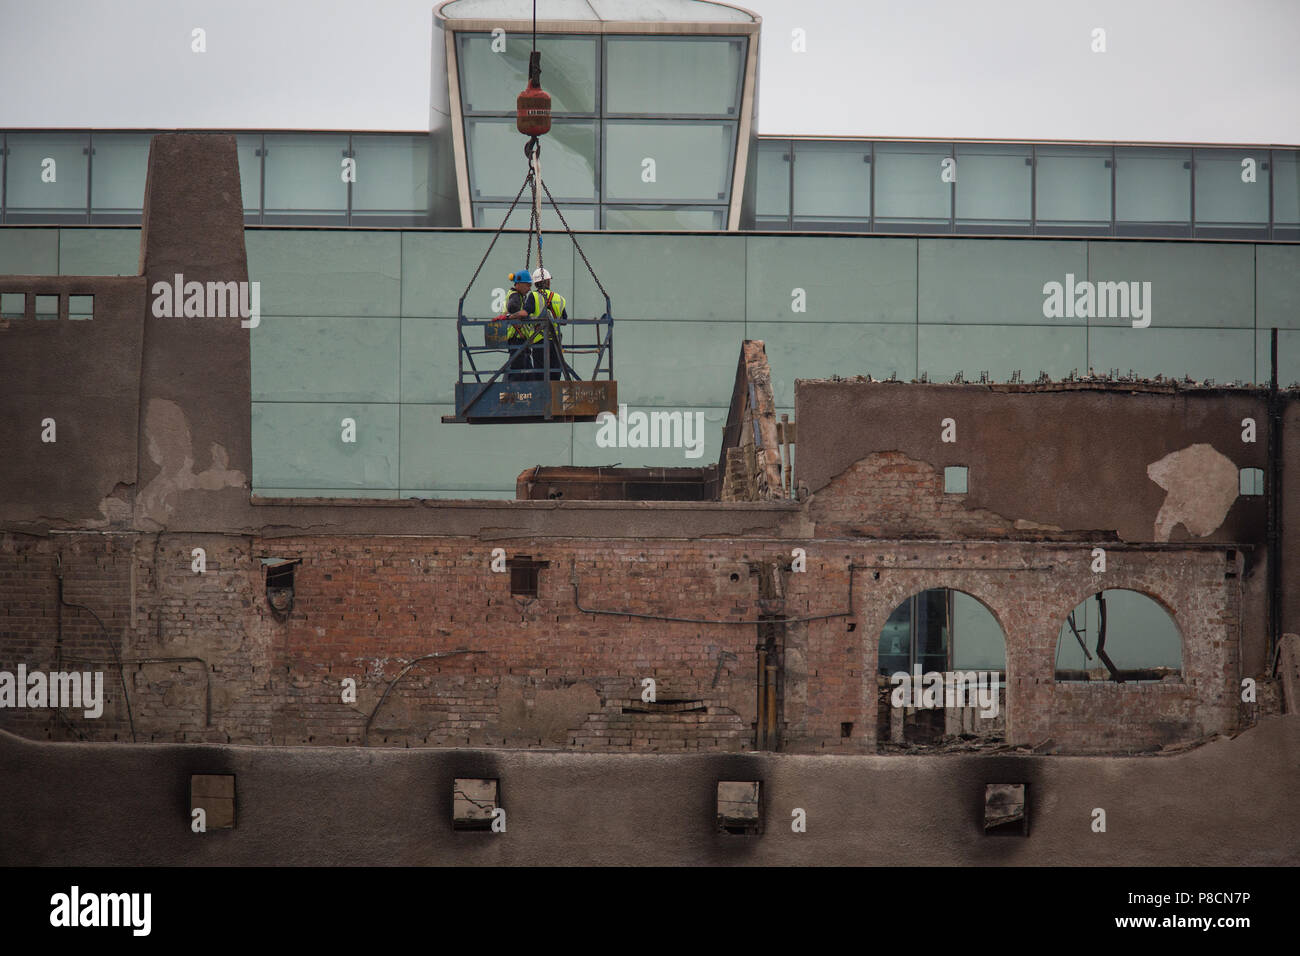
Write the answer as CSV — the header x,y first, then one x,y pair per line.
x,y
279,584
214,794
1006,809
474,803
666,706
846,729
739,808
524,575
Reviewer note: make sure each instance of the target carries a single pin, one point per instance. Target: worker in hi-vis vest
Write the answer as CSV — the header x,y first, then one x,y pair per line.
x,y
553,306
525,334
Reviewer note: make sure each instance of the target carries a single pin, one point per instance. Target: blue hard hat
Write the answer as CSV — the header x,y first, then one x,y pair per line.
x,y
523,275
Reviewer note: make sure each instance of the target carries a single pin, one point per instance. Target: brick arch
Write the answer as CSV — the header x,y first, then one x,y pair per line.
x,y
992,596
1137,587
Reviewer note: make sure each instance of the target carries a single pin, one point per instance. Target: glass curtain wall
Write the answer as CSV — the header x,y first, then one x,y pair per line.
x,y
337,179
1027,189
643,132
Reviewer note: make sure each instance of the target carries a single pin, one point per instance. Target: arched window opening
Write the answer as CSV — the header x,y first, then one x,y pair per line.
x,y
940,671
1119,636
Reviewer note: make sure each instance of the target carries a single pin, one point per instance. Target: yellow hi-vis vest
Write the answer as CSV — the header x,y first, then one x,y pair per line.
x,y
532,332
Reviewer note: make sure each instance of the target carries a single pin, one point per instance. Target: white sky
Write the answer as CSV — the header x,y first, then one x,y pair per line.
x,y
1217,71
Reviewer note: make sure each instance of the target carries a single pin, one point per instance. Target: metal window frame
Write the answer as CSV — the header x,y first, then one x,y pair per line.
x,y
732,126
510,118
1266,227
870,160
942,227
325,135
1013,227
462,79
739,90
912,642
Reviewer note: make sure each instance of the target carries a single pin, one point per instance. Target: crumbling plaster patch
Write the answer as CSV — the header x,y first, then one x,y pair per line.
x,y
171,448
1201,483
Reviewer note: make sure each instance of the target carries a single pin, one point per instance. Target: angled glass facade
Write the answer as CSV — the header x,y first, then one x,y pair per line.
x,y
644,129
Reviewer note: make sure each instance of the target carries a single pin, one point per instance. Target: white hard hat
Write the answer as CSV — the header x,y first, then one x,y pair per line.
x,y
541,275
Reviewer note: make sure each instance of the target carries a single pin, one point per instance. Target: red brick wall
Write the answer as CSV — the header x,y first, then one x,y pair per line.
x,y
551,676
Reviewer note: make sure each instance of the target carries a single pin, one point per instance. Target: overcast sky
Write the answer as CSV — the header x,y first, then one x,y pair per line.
x,y
1173,70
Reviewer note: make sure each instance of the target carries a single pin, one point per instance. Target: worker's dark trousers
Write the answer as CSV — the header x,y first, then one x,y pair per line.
x,y
557,362
520,367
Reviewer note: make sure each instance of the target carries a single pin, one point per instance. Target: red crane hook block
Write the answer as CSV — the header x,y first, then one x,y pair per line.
x,y
533,108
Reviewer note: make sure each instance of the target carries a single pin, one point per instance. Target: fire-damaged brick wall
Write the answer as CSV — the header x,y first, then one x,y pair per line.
x,y
209,658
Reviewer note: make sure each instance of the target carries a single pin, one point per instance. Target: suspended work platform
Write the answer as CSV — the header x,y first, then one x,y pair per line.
x,y
502,393
567,376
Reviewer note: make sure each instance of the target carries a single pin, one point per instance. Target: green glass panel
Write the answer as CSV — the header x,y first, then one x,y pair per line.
x,y
489,216
326,273
773,171
13,305
675,76
497,167
662,161
684,218
1288,357
999,281
689,277
99,252
978,642
467,457
1000,350
121,163
437,267
81,307
830,279
46,177
1153,188
1286,191
894,652
1277,286
1139,634
29,252
1074,185
392,175
819,350
1222,196
706,439
832,185
1221,354
248,147
674,364
335,359
304,178
299,445
910,190
1192,284
325,492
491,80
994,186
429,359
